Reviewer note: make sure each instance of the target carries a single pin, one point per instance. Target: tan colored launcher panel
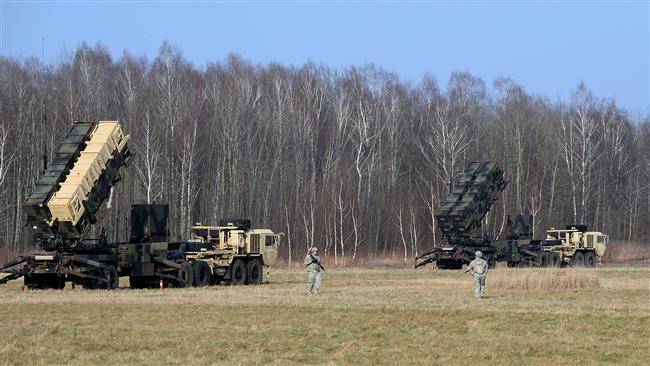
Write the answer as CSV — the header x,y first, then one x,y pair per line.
x,y
67,203
68,206
109,133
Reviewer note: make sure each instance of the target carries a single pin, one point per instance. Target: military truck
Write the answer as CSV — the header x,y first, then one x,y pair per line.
x,y
231,252
574,246
61,212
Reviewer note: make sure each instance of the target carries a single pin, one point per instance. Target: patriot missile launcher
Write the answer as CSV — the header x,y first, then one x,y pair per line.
x,y
463,210
461,214
62,208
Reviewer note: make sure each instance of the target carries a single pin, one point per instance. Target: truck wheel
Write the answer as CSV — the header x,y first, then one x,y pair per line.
x,y
110,273
254,272
91,283
202,274
238,272
186,273
546,260
554,260
590,259
578,260
113,278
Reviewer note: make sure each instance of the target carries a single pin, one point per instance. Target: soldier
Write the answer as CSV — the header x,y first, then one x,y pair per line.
x,y
479,269
313,264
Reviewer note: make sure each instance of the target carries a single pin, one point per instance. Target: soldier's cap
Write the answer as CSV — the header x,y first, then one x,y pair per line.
x,y
313,249
478,254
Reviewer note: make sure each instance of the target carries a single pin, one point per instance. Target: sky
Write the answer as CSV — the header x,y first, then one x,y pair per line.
x,y
549,47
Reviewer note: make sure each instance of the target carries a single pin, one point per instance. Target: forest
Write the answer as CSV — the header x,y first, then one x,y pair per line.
x,y
352,160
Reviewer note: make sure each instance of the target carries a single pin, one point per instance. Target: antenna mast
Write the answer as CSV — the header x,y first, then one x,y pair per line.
x,y
44,116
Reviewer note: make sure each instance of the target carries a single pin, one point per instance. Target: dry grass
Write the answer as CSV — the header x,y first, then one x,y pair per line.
x,y
362,317
627,252
6,255
349,262
542,279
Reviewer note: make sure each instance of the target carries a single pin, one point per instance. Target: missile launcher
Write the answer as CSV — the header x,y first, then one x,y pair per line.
x,y
65,200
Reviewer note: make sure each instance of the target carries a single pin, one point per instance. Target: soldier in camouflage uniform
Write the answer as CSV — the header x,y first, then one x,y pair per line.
x,y
313,264
479,269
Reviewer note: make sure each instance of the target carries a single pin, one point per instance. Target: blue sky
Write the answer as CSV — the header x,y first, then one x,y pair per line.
x,y
548,47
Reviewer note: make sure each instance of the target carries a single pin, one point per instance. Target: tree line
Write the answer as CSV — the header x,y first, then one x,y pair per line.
x,y
352,160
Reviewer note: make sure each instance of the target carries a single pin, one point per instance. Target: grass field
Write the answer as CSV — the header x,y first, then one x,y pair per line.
x,y
388,316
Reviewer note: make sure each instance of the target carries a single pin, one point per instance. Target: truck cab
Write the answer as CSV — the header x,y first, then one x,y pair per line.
x,y
234,253
576,246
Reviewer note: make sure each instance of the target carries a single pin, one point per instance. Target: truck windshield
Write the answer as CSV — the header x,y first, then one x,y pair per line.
x,y
203,233
554,235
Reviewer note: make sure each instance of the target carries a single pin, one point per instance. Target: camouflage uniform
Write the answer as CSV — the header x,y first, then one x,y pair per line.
x,y
479,269
313,272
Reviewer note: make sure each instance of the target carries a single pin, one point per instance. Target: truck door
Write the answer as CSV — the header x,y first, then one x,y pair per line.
x,y
271,244
600,245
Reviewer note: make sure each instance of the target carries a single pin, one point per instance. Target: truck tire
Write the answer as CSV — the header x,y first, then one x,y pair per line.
x,y
113,278
546,260
202,274
238,272
254,272
538,261
186,273
578,260
91,283
590,259
554,260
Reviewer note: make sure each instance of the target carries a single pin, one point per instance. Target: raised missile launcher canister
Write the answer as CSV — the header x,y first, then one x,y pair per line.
x,y
35,206
92,171
62,208
461,214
